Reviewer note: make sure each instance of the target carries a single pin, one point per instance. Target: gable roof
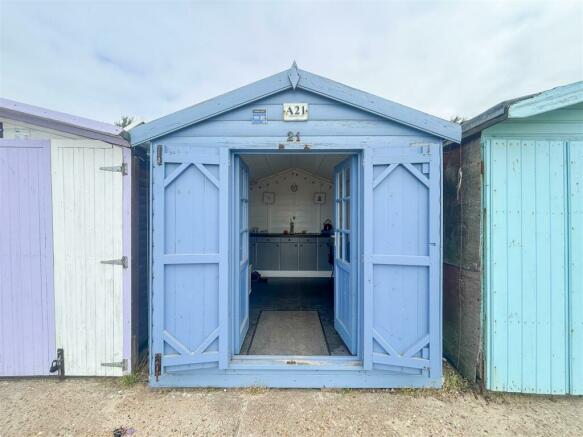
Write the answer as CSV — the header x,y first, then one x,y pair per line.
x,y
301,79
525,106
63,122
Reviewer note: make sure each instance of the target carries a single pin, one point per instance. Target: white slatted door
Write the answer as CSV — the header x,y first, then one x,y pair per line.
x,y
87,222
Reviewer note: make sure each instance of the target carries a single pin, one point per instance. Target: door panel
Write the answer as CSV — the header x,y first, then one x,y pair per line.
x,y
402,259
324,255
345,285
242,249
267,256
87,223
308,256
289,256
253,252
27,324
189,258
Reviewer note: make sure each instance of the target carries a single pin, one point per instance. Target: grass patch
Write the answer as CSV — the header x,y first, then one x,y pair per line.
x,y
454,382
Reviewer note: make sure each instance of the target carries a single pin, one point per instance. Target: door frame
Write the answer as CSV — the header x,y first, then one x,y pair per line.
x,y
349,362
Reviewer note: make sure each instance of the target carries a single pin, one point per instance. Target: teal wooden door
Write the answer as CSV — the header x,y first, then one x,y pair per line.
x,y
241,213
402,259
345,285
531,194
189,258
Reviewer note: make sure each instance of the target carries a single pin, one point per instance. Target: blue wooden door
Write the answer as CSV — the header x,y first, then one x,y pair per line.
x,y
241,193
345,286
402,259
190,265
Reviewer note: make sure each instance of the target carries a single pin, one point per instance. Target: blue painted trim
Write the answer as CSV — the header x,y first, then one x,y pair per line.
x,y
556,98
368,264
300,378
309,82
224,208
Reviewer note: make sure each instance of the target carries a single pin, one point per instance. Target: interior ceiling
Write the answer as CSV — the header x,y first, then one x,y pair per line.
x,y
261,166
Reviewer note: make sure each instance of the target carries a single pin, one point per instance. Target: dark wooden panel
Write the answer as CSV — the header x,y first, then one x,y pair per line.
x,y
462,320
462,212
140,271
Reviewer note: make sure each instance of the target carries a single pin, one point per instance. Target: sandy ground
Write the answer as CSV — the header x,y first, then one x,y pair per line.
x,y
99,406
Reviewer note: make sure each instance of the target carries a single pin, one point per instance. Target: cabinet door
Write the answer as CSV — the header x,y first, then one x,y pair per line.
x,y
308,256
323,255
253,252
289,255
268,256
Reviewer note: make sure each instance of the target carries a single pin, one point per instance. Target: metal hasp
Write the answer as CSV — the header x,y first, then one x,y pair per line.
x,y
157,365
123,364
123,261
58,365
123,168
159,151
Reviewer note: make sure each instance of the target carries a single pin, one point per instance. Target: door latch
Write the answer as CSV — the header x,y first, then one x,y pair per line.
x,y
159,150
157,365
58,365
123,261
123,364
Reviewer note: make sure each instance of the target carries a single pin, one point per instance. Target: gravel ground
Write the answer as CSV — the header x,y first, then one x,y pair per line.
x,y
99,406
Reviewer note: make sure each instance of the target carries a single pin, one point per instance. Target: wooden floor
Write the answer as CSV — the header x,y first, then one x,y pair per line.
x,y
295,294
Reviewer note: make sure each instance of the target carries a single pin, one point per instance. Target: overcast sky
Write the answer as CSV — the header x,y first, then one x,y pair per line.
x,y
103,59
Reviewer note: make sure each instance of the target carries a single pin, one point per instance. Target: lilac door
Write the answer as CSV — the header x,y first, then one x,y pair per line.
x,y
27,326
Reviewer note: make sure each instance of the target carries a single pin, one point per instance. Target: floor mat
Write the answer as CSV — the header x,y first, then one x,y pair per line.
x,y
288,333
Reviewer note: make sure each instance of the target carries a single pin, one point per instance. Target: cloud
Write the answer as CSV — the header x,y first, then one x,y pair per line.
x,y
104,59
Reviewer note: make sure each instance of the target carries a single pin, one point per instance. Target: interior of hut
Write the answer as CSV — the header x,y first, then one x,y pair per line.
x,y
291,218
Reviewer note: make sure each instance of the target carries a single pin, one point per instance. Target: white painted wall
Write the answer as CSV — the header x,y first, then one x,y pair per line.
x,y
25,131
87,228
276,217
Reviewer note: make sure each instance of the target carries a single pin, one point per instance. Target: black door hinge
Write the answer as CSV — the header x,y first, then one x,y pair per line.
x,y
157,365
58,365
159,151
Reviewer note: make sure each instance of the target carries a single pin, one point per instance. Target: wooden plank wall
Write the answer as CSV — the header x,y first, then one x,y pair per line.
x,y
462,286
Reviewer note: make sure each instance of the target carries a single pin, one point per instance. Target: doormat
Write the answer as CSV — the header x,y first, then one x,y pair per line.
x,y
288,333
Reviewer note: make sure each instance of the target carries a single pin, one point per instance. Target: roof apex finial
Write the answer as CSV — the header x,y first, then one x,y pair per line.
x,y
294,75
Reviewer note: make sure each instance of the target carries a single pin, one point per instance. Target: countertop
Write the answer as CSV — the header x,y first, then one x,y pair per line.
x,y
280,234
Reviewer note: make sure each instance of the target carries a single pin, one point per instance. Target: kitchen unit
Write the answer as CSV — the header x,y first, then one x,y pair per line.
x,y
303,254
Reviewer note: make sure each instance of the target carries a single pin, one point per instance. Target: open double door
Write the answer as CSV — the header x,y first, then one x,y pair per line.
x,y
345,252
387,302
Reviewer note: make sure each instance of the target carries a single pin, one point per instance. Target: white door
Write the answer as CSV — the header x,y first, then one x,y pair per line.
x,y
87,226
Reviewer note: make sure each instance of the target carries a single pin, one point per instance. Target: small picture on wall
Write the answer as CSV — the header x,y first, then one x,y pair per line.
x,y
268,197
319,198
